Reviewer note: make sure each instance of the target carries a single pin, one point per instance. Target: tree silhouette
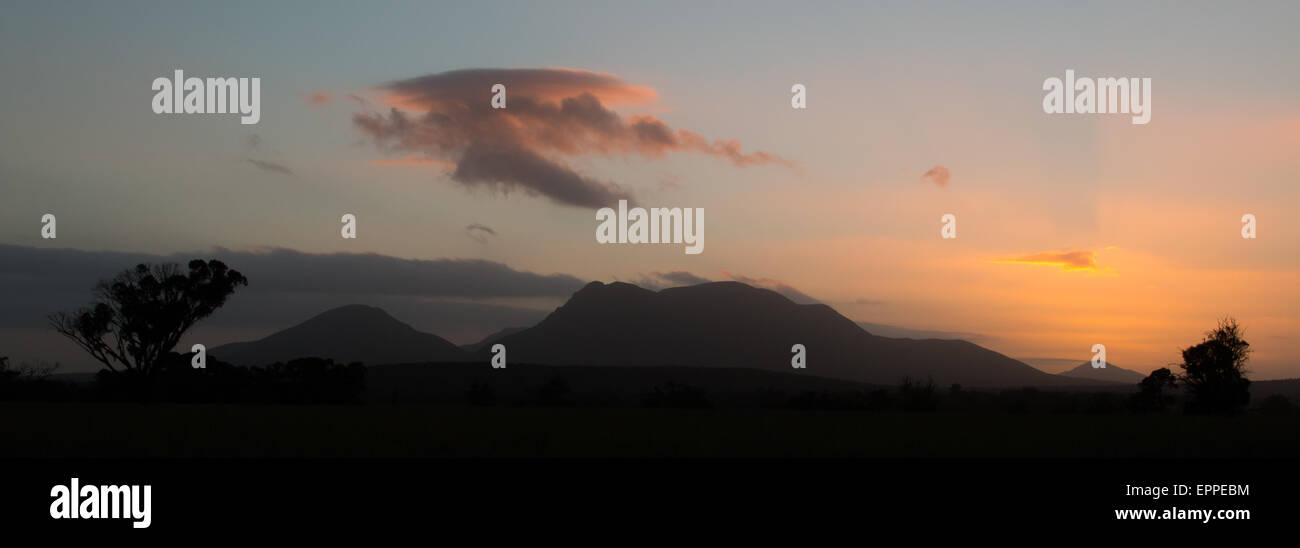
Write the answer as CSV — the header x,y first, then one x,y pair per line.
x,y
1151,391
1214,371
139,315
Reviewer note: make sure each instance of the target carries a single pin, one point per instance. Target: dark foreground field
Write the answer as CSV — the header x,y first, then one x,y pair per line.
x,y
116,429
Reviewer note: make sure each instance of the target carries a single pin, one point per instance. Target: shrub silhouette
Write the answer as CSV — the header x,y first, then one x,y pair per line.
x,y
28,382
140,315
1151,391
1214,371
301,381
918,396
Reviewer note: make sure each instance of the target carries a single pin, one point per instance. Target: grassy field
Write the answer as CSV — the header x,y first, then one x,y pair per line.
x,y
99,429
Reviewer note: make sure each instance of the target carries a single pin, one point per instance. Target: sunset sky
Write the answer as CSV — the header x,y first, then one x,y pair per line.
x,y
1073,230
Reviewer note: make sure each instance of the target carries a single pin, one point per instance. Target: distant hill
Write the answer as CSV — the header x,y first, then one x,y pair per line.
x,y
730,324
487,341
896,332
345,334
1259,390
1110,373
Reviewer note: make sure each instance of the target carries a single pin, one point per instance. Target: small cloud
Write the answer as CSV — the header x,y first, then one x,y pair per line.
x,y
359,99
682,277
316,98
1067,260
479,233
655,281
778,286
256,148
938,175
270,166
868,302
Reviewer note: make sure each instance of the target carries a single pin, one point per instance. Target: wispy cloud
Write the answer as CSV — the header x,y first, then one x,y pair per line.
x,y
270,166
1067,260
256,146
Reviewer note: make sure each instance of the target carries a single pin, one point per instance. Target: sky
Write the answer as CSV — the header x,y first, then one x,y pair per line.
x,y
1072,230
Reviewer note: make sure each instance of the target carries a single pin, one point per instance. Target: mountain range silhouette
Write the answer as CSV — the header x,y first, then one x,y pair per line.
x,y
718,324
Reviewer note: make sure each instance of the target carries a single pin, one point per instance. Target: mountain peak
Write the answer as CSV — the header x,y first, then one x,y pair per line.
x,y
354,332
732,324
353,312
612,287
1111,373
724,286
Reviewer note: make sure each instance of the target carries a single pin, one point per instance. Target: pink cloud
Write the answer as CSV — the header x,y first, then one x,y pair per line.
x,y
550,115
316,98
